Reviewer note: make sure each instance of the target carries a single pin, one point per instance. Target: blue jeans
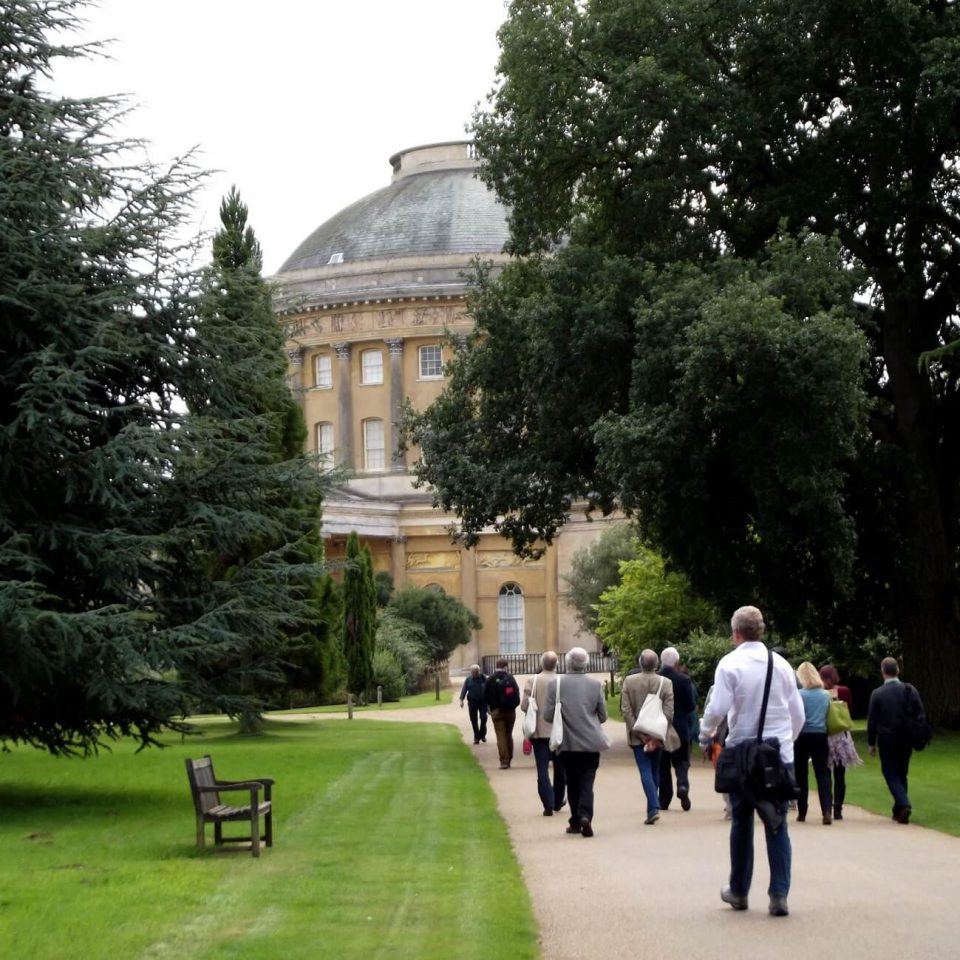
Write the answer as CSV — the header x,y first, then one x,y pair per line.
x,y
649,766
741,849
895,767
551,794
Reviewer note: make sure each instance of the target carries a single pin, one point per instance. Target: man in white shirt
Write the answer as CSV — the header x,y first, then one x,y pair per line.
x,y
738,696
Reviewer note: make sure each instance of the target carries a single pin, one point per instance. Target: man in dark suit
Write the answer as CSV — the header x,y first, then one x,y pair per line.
x,y
890,706
684,707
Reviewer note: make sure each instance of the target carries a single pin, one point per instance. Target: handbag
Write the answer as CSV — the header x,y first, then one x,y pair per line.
x,y
529,725
527,747
556,731
755,767
838,717
651,720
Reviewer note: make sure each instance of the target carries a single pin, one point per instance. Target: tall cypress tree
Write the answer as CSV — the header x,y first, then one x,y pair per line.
x,y
143,551
359,616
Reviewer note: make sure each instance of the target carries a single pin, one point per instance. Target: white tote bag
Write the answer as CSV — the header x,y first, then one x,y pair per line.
x,y
651,720
556,731
529,726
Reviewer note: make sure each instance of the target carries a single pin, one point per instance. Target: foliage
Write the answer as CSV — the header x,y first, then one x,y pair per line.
x,y
359,616
91,844
596,569
384,584
388,674
671,143
445,621
124,520
650,607
406,641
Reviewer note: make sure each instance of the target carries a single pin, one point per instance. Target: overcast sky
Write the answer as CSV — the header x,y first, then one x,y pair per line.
x,y
299,104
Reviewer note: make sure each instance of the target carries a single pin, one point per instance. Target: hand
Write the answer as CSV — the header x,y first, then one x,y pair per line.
x,y
461,704
873,751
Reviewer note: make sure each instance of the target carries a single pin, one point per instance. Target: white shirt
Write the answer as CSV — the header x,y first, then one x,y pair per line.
x,y
738,696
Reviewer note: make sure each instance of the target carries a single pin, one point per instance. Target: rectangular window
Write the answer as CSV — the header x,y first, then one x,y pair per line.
x,y
374,449
323,370
325,444
371,366
431,362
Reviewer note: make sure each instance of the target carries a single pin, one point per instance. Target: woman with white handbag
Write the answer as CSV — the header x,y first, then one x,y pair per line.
x,y
537,731
646,703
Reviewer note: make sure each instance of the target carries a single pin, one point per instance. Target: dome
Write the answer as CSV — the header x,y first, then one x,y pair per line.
x,y
435,206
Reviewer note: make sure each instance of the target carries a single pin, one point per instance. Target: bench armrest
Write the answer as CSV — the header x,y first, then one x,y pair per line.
x,y
255,785
266,781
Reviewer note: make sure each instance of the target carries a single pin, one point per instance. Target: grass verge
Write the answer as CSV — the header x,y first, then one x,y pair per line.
x,y
417,700
386,838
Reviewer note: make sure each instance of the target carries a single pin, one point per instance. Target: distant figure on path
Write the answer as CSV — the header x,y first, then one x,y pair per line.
x,y
647,751
684,712
890,705
738,696
841,750
502,695
811,745
472,692
583,711
551,794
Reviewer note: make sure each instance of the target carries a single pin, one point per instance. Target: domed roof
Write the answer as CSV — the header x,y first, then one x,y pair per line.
x,y
435,205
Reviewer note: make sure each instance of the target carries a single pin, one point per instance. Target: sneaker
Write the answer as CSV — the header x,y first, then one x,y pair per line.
x,y
586,828
904,815
778,907
652,819
736,900
684,796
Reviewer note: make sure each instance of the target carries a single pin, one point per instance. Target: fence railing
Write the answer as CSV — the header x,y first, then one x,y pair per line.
x,y
530,663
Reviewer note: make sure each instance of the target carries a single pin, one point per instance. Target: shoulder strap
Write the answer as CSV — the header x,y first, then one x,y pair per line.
x,y
558,688
660,687
766,695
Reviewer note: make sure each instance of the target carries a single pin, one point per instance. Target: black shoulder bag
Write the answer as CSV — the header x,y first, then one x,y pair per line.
x,y
755,767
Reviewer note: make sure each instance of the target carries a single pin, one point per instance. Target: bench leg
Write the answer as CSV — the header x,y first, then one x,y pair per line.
x,y
269,828
218,833
201,834
254,831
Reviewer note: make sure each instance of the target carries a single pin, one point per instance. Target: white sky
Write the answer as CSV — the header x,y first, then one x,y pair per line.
x,y
298,103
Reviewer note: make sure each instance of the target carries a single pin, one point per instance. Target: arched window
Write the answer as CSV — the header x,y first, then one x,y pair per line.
x,y
435,587
325,444
374,450
510,618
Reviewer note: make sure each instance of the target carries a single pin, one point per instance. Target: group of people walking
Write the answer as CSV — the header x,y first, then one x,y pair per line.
x,y
751,683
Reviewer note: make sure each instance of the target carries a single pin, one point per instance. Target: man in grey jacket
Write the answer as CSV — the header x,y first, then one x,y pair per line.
x,y
583,710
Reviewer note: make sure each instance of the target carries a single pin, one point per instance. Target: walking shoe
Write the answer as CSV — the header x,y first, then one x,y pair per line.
x,y
475,742
563,803
504,766
736,900
837,813
684,796
547,812
652,819
801,817
778,907
573,828
586,828
827,819
904,815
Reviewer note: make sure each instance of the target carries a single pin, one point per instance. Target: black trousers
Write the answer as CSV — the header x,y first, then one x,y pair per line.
x,y
812,747
679,760
581,771
478,718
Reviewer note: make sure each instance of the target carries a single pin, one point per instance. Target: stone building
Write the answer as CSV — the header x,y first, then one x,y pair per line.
x,y
367,299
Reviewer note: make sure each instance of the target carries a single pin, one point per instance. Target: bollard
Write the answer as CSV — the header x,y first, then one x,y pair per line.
x,y
349,706
379,697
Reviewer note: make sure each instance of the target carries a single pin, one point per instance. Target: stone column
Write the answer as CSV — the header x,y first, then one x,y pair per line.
x,y
398,560
295,376
551,625
344,408
395,344
468,596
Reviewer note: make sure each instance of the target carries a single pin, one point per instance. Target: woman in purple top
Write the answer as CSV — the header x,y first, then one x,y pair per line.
x,y
841,750
811,745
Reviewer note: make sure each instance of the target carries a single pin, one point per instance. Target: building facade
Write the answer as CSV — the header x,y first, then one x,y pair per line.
x,y
368,300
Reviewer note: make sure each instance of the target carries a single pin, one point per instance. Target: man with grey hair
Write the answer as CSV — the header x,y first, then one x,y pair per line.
x,y
583,710
535,689
472,692
738,692
684,708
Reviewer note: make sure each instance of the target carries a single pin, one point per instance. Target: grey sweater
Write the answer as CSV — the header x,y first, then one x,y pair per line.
x,y
583,710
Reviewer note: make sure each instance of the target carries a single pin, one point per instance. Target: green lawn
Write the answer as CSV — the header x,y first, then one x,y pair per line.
x,y
388,844
934,783
428,699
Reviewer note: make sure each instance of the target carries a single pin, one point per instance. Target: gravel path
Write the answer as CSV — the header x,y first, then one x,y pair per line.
x,y
863,889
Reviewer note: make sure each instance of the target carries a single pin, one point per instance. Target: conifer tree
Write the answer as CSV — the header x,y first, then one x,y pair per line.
x,y
359,616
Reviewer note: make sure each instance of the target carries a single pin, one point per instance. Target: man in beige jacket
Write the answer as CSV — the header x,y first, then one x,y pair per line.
x,y
646,750
551,794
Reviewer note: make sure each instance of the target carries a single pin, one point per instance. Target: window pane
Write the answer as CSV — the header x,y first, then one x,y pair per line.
x,y
373,446
325,443
510,619
431,361
323,370
371,369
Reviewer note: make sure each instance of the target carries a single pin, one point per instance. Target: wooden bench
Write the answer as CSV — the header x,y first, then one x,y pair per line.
x,y
206,789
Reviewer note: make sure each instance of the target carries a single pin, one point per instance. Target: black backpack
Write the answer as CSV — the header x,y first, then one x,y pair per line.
x,y
918,730
508,693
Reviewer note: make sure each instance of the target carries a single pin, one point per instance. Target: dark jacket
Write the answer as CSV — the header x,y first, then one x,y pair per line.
x,y
889,707
684,701
494,691
472,688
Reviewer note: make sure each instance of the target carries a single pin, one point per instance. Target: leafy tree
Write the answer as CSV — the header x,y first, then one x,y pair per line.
x,y
405,641
650,607
596,569
113,497
359,616
446,622
671,143
384,584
